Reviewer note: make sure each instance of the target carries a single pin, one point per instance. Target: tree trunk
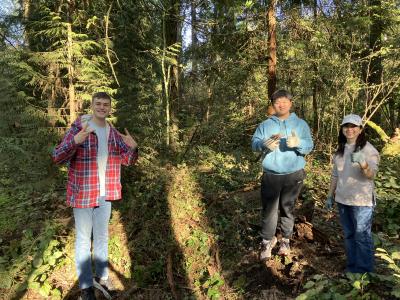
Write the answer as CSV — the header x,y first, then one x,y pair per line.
x,y
26,7
375,69
26,4
315,84
172,37
166,75
193,5
271,48
315,111
71,87
73,105
51,102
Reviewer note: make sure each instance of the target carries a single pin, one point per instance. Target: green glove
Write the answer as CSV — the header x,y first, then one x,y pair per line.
x,y
358,157
329,202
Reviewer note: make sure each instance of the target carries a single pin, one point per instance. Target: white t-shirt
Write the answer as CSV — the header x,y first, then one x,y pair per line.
x,y
353,187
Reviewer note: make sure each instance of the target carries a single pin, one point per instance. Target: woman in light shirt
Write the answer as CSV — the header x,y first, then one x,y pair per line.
x,y
355,164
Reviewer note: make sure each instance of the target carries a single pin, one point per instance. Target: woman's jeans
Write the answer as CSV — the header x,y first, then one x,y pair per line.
x,y
92,222
356,222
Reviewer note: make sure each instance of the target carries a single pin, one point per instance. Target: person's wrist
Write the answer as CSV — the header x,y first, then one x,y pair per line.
x,y
134,147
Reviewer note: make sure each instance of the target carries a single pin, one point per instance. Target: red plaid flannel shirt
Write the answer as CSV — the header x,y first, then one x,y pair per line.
x,y
83,186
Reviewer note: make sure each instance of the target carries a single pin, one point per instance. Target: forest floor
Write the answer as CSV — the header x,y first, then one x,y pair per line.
x,y
179,241
315,249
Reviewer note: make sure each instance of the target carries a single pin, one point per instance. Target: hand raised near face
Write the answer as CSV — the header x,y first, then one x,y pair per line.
x,y
359,157
293,140
83,134
128,139
273,142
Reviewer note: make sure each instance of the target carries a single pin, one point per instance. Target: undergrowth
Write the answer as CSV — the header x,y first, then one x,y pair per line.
x,y
385,283
185,230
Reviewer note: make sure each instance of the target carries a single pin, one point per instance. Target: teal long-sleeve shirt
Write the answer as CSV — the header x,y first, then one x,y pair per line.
x,y
283,160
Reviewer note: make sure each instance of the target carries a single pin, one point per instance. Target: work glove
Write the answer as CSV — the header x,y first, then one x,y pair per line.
x,y
293,141
358,157
272,143
329,202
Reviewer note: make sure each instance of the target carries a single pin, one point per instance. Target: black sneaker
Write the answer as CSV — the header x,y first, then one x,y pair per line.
x,y
87,294
105,286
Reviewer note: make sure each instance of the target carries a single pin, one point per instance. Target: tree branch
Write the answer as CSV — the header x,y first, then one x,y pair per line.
x,y
107,49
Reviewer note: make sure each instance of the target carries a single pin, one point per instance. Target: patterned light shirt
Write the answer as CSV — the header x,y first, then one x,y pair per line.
x,y
353,187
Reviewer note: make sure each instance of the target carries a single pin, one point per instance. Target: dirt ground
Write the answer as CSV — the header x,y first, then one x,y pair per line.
x,y
316,248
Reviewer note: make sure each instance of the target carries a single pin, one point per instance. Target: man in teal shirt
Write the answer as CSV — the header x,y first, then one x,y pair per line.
x,y
285,139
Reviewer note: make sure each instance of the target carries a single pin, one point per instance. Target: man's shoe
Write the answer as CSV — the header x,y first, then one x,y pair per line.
x,y
105,286
284,248
87,294
266,248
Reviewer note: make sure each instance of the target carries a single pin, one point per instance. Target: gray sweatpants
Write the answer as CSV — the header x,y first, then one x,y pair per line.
x,y
278,194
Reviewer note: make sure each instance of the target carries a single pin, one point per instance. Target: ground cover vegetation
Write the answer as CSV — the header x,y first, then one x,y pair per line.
x,y
190,79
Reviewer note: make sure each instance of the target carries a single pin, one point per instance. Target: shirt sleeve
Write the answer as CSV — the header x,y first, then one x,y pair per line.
x,y
64,151
334,169
257,142
372,158
306,142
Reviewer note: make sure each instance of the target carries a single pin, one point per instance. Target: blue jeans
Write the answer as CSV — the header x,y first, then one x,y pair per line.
x,y
92,222
356,222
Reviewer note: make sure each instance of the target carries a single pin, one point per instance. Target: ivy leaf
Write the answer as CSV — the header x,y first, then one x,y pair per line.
x,y
52,261
34,285
37,262
396,292
57,254
309,284
357,284
45,289
396,255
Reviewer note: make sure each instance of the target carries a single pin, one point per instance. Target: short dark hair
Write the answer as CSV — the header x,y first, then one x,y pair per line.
x,y
281,94
101,95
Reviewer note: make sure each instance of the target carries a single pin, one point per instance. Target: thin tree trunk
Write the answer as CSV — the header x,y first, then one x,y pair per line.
x,y
272,59
166,74
107,42
209,101
193,14
315,111
51,102
26,6
172,29
26,12
315,85
375,69
71,87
